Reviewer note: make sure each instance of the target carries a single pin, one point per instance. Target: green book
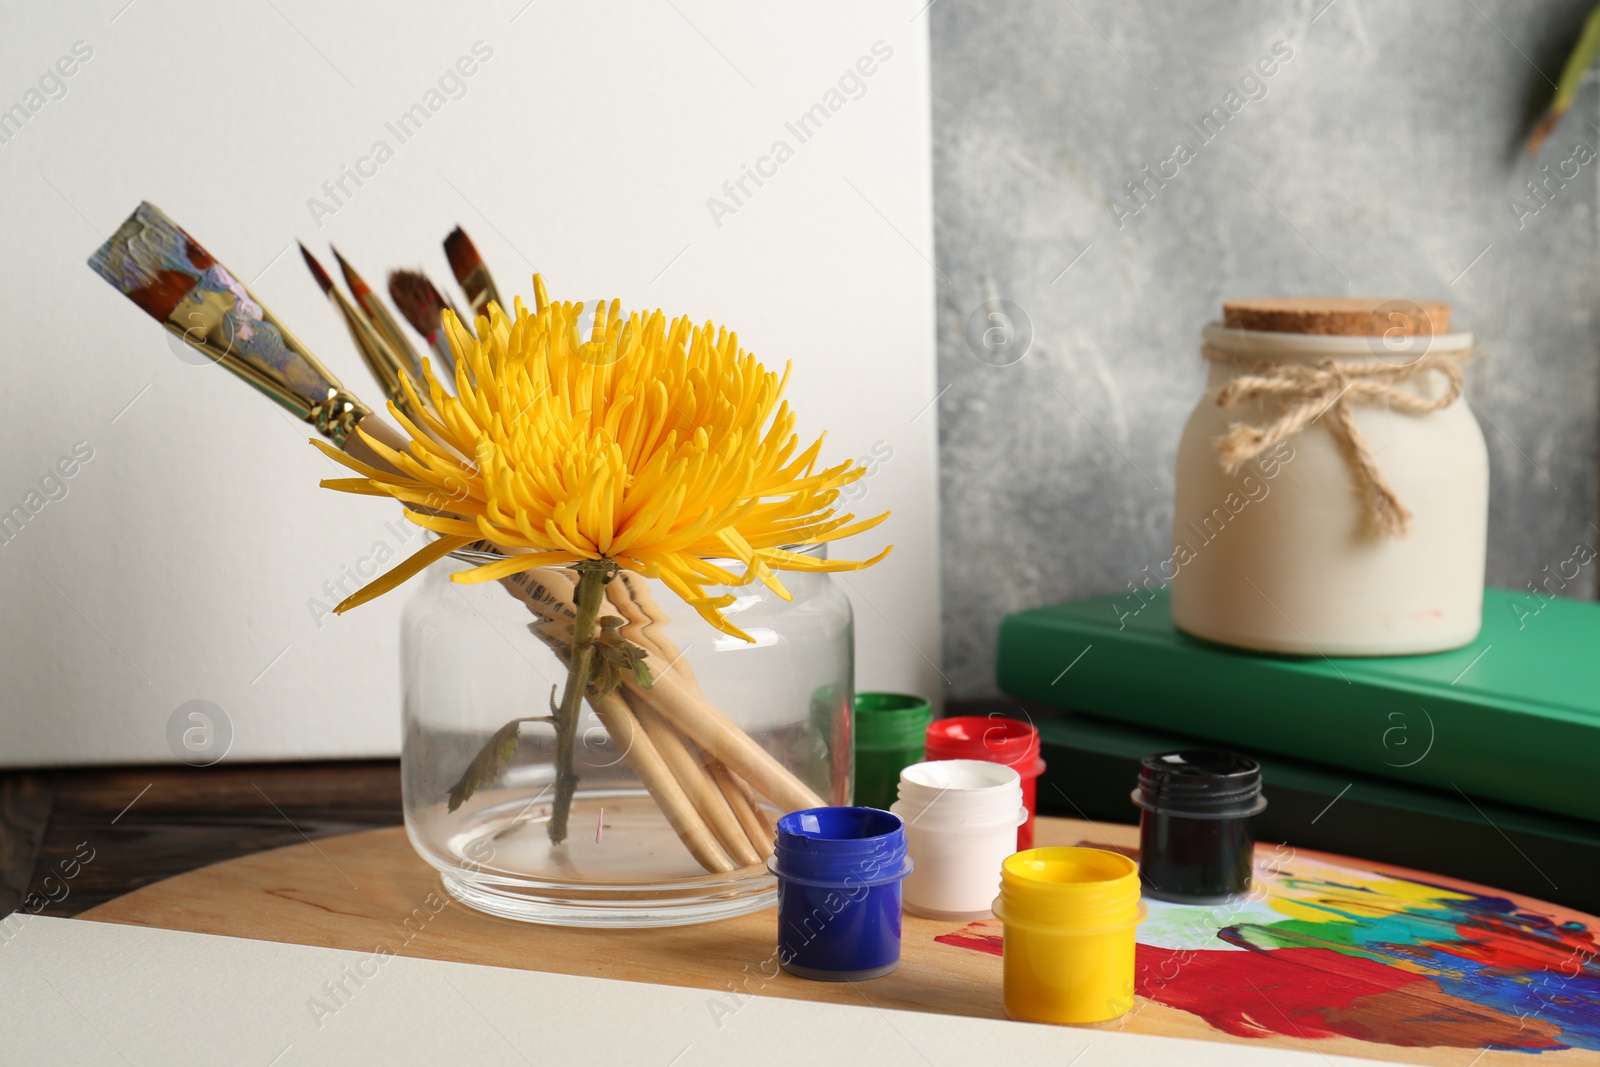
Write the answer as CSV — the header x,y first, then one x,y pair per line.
x,y
1515,716
1091,765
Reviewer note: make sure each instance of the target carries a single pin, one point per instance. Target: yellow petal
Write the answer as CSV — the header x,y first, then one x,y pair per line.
x,y
414,564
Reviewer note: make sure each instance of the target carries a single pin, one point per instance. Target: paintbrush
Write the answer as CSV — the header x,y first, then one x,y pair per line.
x,y
154,263
423,307
378,314
471,272
375,351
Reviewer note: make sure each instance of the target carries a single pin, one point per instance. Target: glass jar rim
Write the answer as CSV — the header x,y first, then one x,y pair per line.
x,y
478,557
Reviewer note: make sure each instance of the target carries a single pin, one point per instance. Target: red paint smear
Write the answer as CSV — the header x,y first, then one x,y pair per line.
x,y
201,259
1317,993
169,286
163,293
1309,993
1253,994
1504,942
972,936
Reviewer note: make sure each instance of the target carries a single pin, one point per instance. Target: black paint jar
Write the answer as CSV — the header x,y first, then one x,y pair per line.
x,y
1196,825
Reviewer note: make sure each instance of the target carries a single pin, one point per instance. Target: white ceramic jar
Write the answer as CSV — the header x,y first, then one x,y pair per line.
x,y
1282,555
961,823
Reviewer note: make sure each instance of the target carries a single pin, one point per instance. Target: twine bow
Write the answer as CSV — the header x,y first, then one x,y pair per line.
x,y
1304,393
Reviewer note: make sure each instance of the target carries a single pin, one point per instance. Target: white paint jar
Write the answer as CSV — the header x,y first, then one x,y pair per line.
x,y
961,823
1283,555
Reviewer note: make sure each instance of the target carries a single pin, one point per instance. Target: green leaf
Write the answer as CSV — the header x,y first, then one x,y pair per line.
x,y
487,764
615,657
1578,63
641,673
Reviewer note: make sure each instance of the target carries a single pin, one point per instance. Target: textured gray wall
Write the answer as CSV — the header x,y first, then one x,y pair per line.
x,y
1381,160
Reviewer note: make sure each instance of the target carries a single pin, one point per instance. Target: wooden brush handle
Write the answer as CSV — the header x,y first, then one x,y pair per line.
x,y
639,626
652,748
702,791
645,758
630,593
721,798
653,625
712,731
756,830
691,714
379,428
677,695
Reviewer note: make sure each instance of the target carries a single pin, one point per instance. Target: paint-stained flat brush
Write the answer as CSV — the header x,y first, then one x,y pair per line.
x,y
378,314
470,271
375,351
154,263
423,307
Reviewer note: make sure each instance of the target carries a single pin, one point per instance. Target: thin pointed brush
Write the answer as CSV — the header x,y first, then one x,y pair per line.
x,y
471,272
378,314
375,351
423,307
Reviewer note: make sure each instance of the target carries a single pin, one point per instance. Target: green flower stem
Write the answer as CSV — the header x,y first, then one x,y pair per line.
x,y
593,577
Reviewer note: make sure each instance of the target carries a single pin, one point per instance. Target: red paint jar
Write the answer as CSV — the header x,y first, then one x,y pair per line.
x,y
989,737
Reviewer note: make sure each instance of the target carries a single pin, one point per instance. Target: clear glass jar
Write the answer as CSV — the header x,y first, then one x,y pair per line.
x,y
476,657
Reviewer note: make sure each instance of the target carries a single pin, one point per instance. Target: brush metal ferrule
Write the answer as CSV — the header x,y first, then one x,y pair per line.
x,y
337,416
480,290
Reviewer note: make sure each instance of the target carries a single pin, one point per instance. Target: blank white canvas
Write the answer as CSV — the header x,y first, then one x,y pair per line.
x,y
86,993
186,559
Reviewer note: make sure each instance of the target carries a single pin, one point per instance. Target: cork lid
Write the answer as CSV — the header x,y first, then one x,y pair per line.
x,y
1344,316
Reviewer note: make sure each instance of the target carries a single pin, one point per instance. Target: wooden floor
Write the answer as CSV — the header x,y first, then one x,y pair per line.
x,y
144,824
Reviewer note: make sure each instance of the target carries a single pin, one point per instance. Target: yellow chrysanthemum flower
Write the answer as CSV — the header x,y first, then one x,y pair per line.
x,y
656,446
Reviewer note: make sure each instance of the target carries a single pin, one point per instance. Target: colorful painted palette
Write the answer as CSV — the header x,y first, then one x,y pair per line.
x,y
1328,948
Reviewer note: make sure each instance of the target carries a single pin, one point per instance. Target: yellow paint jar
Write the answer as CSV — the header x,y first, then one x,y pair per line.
x,y
1069,915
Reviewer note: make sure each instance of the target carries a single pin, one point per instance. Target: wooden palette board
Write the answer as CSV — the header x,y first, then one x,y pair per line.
x,y
358,892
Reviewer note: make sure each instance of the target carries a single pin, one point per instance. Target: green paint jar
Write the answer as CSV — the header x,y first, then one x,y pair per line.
x,y
890,731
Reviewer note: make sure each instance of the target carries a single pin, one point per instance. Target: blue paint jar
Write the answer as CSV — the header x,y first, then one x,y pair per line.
x,y
839,873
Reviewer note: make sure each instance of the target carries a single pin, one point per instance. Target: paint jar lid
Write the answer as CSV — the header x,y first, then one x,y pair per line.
x,y
891,720
987,737
840,848
960,794
1200,784
1070,891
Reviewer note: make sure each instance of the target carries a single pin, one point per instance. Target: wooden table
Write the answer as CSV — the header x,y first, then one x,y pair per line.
x,y
369,892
